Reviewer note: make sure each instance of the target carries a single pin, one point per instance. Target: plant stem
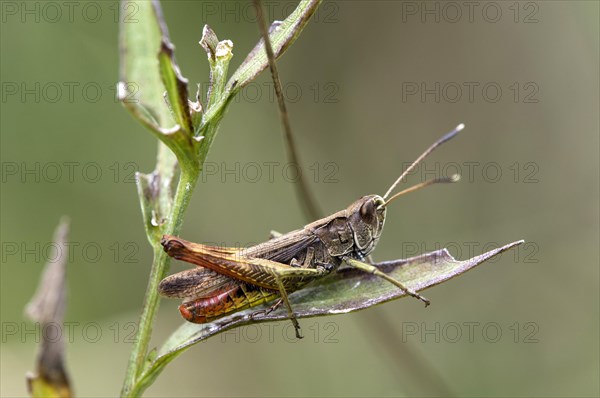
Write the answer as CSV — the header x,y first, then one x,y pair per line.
x,y
160,267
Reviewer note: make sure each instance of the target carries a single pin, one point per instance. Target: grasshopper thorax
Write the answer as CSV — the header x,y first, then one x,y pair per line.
x,y
366,217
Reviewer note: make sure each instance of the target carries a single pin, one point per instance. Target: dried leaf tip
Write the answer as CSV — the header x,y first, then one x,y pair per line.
x,y
47,305
48,308
209,42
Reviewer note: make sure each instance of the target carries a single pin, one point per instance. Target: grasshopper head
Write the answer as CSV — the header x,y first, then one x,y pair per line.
x,y
367,216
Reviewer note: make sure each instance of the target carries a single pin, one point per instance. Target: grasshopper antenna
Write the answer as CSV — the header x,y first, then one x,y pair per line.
x,y
442,180
439,142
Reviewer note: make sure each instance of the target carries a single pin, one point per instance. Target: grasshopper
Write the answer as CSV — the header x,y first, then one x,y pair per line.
x,y
233,279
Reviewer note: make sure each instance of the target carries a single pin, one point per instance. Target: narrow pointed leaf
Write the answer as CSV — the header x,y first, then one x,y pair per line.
x,y
176,86
344,291
141,88
139,44
48,308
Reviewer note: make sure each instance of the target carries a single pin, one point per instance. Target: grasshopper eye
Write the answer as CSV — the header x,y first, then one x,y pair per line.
x,y
367,211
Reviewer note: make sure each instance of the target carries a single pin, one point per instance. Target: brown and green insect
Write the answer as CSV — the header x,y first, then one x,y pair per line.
x,y
233,279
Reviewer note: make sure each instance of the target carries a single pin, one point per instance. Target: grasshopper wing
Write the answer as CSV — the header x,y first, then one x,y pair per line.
x,y
283,248
194,283
232,263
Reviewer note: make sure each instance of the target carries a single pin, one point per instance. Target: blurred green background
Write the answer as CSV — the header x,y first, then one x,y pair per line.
x,y
524,325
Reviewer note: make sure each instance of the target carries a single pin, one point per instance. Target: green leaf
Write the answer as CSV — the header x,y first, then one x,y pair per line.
x,y
141,86
139,45
282,35
176,85
345,291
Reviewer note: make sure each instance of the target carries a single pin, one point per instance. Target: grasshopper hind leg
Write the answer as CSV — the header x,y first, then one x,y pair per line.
x,y
268,310
282,300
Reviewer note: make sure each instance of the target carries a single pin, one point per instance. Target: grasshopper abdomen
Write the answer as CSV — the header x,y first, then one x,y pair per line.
x,y
236,298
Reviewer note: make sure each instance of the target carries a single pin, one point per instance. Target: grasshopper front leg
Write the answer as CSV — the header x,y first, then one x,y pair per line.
x,y
291,314
373,270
